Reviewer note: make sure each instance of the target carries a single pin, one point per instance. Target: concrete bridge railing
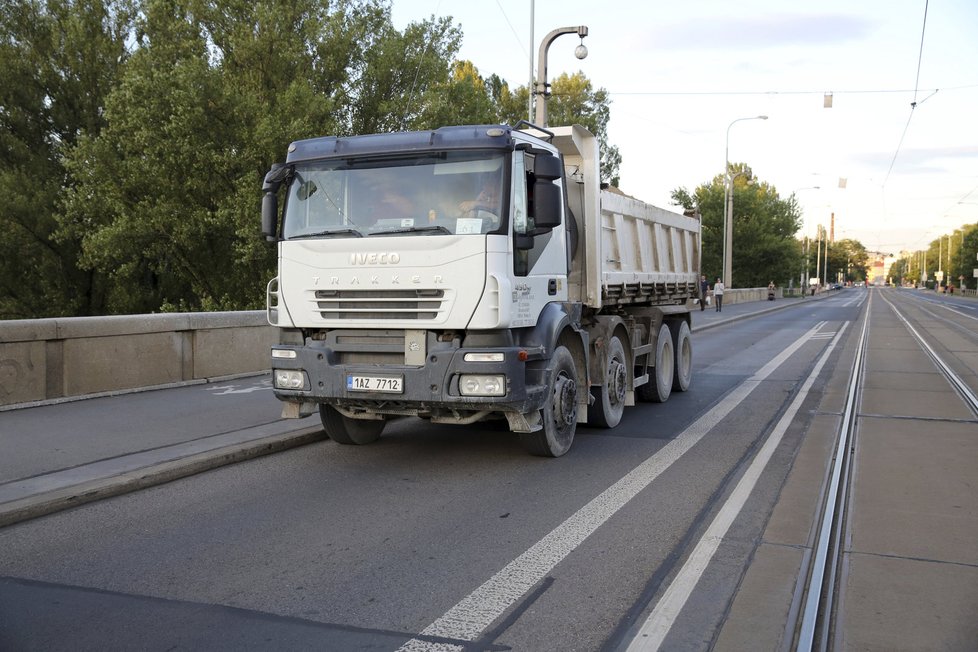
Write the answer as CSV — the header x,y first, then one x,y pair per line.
x,y
43,359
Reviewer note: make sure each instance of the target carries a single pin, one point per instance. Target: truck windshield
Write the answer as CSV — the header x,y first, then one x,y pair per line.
x,y
428,194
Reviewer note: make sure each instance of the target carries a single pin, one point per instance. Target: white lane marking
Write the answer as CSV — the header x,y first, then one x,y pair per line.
x,y
659,622
469,618
238,389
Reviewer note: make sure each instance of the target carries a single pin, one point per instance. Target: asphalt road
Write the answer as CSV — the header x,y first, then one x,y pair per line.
x,y
435,537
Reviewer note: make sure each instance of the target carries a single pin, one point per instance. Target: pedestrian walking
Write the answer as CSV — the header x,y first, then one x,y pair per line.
x,y
704,291
718,294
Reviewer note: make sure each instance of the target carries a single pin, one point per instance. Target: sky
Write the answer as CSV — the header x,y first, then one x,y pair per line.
x,y
903,75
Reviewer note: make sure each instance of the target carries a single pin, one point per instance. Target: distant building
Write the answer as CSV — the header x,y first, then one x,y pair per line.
x,y
879,267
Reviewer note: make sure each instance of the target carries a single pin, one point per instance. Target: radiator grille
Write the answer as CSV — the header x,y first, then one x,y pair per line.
x,y
419,303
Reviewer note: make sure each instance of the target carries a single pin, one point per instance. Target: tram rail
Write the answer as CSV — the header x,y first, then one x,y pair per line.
x,y
816,623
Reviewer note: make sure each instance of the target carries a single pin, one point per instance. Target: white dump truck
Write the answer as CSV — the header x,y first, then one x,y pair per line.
x,y
472,273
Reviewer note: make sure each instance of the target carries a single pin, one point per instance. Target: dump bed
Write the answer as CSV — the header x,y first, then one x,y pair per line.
x,y
643,246
628,252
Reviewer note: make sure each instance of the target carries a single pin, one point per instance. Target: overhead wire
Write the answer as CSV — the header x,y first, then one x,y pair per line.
x,y
913,105
799,92
417,72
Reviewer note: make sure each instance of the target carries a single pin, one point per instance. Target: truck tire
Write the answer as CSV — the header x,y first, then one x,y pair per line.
x,y
344,430
659,387
559,411
610,401
682,344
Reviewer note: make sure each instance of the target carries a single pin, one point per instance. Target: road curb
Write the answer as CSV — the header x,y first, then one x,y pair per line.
x,y
49,502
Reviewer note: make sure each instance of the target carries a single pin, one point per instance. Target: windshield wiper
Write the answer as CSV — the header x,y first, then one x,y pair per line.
x,y
414,229
328,234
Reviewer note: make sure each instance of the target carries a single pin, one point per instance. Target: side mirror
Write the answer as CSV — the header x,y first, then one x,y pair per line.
x,y
547,166
547,204
547,197
269,200
269,215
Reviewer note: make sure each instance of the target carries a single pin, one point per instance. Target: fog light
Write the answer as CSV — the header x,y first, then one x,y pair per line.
x,y
484,357
480,385
283,353
289,379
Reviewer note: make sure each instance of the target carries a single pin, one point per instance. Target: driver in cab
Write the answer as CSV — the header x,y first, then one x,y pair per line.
x,y
487,200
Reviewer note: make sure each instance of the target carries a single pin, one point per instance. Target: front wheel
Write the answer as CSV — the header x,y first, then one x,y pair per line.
x,y
344,430
559,410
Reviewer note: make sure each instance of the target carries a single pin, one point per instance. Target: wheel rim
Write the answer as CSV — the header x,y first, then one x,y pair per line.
x,y
616,381
565,401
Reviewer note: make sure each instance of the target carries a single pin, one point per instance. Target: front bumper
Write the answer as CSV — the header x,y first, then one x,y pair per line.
x,y
427,389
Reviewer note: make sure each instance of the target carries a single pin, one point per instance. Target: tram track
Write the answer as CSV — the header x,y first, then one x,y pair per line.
x,y
967,394
814,627
817,622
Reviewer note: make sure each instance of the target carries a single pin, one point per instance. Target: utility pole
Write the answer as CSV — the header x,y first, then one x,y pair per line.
x,y
529,98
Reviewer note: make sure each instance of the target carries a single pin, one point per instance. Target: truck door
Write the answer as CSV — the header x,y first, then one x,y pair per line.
x,y
540,259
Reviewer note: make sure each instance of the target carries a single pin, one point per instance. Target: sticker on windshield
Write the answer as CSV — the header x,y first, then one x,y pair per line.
x,y
468,225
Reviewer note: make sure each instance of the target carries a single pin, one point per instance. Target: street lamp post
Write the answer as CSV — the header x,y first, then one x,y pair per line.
x,y
541,86
804,274
728,207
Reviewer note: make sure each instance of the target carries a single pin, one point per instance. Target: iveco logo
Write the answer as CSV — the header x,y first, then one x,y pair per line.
x,y
375,258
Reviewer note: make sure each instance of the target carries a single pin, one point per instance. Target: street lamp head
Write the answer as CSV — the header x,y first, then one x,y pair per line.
x,y
762,117
580,51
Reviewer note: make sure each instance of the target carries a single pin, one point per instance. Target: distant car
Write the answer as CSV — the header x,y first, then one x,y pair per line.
x,y
837,286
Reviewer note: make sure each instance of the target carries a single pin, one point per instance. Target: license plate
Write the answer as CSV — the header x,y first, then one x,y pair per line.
x,y
391,384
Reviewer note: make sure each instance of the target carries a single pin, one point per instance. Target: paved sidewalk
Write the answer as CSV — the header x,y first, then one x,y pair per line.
x,y
135,440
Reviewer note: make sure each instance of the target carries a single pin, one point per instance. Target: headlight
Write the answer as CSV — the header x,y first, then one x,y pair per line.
x,y
480,385
289,379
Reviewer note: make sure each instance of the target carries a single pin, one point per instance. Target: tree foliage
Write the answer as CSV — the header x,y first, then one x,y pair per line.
x,y
953,253
203,107
58,61
848,260
134,135
574,100
764,228
467,98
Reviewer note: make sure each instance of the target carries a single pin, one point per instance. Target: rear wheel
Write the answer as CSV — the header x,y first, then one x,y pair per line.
x,y
659,386
683,345
610,403
344,430
559,411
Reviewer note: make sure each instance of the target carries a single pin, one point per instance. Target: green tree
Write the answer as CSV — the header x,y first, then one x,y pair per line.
x,y
463,98
574,101
167,195
764,228
58,61
467,98
964,249
136,134
848,258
